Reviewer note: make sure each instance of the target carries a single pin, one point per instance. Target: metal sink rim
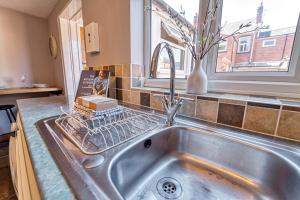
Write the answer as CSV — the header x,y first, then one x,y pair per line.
x,y
290,148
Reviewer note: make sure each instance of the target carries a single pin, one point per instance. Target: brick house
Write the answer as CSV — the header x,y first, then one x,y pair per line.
x,y
255,49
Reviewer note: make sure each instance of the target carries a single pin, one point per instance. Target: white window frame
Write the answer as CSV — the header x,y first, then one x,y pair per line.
x,y
268,45
282,84
159,82
246,46
185,67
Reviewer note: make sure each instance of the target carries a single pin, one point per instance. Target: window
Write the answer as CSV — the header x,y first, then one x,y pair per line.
x,y
244,44
222,46
248,52
269,43
263,33
164,64
235,65
163,29
242,72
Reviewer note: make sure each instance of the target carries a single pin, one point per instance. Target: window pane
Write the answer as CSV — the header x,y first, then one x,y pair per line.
x,y
267,44
222,46
163,29
164,64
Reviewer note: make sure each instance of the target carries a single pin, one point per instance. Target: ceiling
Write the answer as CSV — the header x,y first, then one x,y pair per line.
x,y
39,8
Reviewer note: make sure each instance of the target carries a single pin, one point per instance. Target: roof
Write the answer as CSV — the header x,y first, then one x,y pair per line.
x,y
231,27
283,31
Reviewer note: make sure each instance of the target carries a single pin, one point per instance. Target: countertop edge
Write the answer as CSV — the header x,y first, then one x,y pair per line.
x,y
51,183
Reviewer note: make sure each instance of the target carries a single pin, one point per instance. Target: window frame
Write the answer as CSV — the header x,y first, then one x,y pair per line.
x,y
185,67
267,40
246,38
285,84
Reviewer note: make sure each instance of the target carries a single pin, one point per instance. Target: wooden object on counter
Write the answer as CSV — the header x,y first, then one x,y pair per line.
x,y
96,102
29,90
21,167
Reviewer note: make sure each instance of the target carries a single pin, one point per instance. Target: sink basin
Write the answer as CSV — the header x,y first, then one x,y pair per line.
x,y
185,163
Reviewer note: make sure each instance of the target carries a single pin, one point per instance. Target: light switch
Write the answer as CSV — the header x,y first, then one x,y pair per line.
x,y
92,42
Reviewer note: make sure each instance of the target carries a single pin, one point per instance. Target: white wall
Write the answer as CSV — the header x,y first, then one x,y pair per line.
x,y
113,17
53,27
24,49
137,31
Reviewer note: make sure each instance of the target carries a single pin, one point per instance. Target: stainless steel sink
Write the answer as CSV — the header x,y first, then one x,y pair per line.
x,y
186,161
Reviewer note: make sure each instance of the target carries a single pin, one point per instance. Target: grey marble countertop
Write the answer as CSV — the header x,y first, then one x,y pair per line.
x,y
51,182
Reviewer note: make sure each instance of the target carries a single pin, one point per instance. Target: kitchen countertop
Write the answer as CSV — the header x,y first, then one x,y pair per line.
x,y
51,182
28,90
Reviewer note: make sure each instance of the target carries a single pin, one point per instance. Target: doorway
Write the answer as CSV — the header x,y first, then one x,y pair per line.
x,y
73,48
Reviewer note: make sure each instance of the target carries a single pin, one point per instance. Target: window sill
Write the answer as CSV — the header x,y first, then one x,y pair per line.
x,y
287,101
258,88
243,52
273,89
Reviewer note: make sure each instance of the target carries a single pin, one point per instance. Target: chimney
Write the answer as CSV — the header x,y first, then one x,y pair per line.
x,y
259,14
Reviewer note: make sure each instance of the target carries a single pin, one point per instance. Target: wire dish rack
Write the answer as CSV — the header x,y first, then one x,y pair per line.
x,y
104,130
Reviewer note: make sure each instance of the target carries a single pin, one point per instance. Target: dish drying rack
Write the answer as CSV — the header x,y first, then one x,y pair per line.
x,y
99,131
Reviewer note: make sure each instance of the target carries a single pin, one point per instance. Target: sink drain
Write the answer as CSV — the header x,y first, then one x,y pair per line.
x,y
169,188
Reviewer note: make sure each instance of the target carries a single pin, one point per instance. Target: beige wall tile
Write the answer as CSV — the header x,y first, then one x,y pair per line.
x,y
135,97
112,82
289,125
188,108
126,70
126,83
118,70
112,93
261,119
207,110
105,67
126,95
97,68
156,102
233,101
231,114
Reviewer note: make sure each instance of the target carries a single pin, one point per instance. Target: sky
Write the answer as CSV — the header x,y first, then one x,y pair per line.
x,y
190,6
277,13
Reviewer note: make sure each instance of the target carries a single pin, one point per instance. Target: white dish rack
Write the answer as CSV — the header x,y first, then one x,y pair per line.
x,y
104,130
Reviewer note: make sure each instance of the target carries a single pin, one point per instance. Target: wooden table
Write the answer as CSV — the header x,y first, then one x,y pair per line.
x,y
10,95
30,90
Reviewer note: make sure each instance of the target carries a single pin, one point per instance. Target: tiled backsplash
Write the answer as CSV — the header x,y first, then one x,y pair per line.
x,y
272,116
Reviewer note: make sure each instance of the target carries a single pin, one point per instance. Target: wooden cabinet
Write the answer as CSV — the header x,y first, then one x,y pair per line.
x,y
21,167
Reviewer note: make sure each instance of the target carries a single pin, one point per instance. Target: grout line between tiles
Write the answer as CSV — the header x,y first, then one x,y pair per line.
x,y
278,119
217,110
196,107
244,117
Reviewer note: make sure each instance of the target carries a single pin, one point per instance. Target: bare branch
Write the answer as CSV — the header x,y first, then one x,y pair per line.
x,y
209,36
